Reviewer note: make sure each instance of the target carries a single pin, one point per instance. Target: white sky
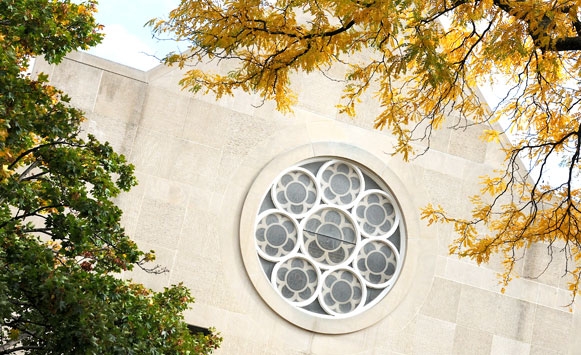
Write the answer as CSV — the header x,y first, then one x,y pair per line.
x,y
126,40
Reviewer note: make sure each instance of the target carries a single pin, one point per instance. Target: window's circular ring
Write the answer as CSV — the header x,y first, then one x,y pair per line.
x,y
329,217
277,235
329,235
343,292
376,261
297,280
341,183
376,213
296,192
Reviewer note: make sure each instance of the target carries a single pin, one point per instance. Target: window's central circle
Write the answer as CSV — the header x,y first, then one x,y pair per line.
x,y
328,237
376,262
296,192
276,235
297,279
341,291
375,214
340,184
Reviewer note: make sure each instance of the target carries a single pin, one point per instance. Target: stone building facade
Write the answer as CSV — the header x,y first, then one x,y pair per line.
x,y
301,234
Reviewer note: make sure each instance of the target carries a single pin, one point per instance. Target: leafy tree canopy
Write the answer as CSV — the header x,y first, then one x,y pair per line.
x,y
423,59
61,242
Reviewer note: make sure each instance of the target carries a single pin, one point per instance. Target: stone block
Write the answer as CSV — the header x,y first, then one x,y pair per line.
x,y
39,65
444,190
201,275
433,336
160,223
463,271
547,296
469,341
80,82
401,341
151,153
344,344
503,346
119,97
552,329
130,204
515,319
199,235
539,350
206,124
466,143
245,132
316,95
544,263
165,112
188,159
523,289
496,314
117,131
442,301
292,339
162,211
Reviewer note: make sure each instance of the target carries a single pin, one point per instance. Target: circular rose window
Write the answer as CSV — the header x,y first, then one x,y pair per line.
x,y
328,238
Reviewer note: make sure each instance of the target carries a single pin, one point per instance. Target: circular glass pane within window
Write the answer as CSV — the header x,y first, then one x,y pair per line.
x,y
328,237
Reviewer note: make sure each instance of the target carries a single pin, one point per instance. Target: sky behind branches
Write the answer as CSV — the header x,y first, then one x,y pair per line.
x,y
127,41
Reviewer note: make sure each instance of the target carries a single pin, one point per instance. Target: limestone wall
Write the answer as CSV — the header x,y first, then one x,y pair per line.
x,y
199,161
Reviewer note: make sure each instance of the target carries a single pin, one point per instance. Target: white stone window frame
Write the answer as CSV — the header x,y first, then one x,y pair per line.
x,y
396,188
313,203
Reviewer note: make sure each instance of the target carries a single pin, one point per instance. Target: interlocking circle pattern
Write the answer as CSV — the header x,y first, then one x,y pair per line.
x,y
376,214
328,236
342,292
376,261
296,192
341,183
296,279
276,235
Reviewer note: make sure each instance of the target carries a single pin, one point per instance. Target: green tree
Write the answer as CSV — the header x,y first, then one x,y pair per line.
x,y
61,243
424,59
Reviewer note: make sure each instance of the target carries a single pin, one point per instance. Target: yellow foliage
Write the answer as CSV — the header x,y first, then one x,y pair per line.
x,y
491,135
14,334
421,71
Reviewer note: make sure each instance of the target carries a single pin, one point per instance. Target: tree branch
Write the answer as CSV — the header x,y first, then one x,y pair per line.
x,y
567,44
18,348
539,30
